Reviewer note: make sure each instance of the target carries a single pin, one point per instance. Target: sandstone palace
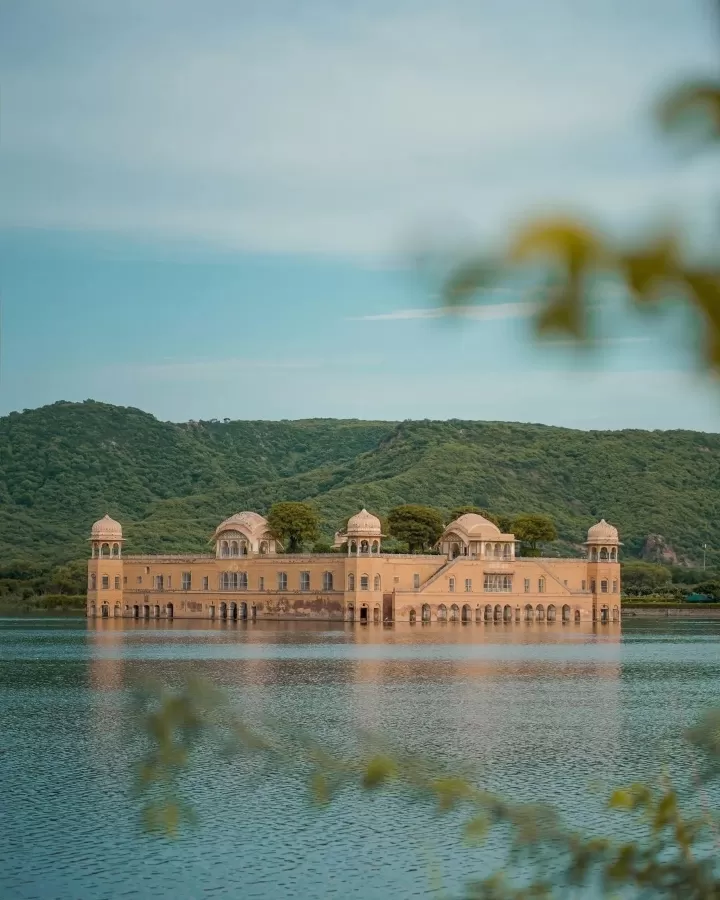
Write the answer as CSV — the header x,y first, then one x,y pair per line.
x,y
474,576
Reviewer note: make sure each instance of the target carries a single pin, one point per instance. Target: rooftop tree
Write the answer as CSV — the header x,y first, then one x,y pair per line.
x,y
419,526
294,523
533,529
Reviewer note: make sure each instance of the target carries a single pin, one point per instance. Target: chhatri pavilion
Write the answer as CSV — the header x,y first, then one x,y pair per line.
x,y
475,575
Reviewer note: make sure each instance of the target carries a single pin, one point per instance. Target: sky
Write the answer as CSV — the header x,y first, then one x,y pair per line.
x,y
214,210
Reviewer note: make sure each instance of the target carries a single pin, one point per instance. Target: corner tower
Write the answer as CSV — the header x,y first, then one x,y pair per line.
x,y
603,549
105,569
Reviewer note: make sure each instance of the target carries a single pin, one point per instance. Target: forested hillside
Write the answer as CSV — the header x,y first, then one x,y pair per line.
x,y
65,465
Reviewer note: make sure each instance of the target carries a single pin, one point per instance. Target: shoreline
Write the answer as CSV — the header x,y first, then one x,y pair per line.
x,y
670,610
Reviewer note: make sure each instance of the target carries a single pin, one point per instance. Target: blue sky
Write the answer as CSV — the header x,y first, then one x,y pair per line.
x,y
209,210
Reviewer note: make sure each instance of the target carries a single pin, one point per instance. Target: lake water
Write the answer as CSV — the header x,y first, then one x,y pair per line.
x,y
542,711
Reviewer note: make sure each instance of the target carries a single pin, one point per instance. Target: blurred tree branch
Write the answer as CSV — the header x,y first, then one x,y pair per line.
x,y
567,259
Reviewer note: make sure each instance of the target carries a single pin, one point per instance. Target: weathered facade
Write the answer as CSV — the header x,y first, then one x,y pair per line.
x,y
474,576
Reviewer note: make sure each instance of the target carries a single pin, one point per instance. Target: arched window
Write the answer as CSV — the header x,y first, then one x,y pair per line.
x,y
497,550
451,584
105,582
353,547
105,550
234,548
304,581
116,549
351,582
377,582
224,548
375,546
117,582
263,547
93,582
488,549
243,548
541,585
603,586
613,554
327,581
604,555
442,613
364,583
506,551
364,547
282,581
594,554
242,581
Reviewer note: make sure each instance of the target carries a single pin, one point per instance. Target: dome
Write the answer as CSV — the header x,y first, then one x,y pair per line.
x,y
247,521
106,529
364,523
473,524
602,532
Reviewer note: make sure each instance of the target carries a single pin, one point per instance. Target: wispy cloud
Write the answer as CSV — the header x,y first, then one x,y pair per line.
x,y
488,311
619,341
213,369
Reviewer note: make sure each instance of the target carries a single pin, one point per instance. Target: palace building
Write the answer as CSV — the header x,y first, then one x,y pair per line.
x,y
474,575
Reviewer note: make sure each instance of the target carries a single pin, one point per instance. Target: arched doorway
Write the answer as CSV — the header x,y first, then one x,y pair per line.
x,y
105,611
551,613
364,614
234,611
478,614
169,610
566,613
211,610
376,616
117,612
146,611
223,610
488,612
577,615
442,613
243,611
507,613
156,611
540,612
425,612
497,614
454,613
136,612
350,613
528,612
413,616
616,614
466,613
604,615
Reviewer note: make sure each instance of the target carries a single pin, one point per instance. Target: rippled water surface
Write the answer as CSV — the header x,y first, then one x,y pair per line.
x,y
543,711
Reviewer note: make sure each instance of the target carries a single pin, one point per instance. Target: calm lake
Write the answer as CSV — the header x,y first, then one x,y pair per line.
x,y
541,711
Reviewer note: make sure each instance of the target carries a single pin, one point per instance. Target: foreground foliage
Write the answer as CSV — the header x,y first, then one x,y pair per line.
x,y
675,854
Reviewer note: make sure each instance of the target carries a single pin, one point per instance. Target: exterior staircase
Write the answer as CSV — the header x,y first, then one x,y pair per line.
x,y
441,571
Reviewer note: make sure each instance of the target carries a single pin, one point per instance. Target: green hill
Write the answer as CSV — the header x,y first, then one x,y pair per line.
x,y
65,465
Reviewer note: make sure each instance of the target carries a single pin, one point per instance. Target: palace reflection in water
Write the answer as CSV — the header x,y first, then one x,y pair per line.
x,y
551,711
